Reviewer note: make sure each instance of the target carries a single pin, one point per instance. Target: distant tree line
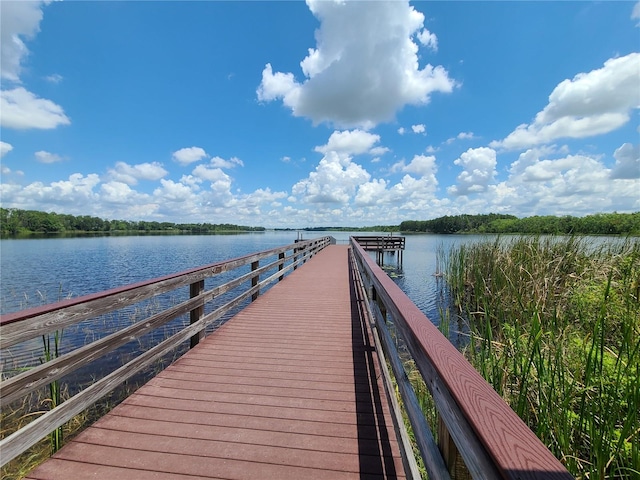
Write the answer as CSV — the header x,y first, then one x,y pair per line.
x,y
598,224
377,228
19,222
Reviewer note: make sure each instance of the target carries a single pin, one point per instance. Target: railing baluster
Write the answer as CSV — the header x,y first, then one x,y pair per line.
x,y
479,435
197,313
281,266
254,280
31,323
450,454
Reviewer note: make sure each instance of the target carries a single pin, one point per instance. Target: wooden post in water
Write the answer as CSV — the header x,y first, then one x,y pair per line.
x,y
254,280
197,313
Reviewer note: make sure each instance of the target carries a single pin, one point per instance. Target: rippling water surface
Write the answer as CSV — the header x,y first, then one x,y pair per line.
x,y
39,271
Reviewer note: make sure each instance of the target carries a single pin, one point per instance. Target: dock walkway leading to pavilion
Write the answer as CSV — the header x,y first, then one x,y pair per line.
x,y
289,388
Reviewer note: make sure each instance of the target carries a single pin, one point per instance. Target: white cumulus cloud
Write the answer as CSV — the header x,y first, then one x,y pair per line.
x,y
349,142
173,191
627,162
21,109
222,163
19,21
54,78
47,157
364,68
131,174
188,155
372,193
460,136
220,184
549,181
422,166
420,128
574,182
334,180
590,104
75,194
210,174
428,39
379,151
5,148
120,194
479,170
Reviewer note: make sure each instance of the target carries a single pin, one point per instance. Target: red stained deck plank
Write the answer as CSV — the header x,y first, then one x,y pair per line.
x,y
287,389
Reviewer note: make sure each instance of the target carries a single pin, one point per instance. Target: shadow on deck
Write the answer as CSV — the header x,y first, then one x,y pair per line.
x,y
287,389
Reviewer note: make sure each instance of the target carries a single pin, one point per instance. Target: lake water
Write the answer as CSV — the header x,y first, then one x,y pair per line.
x,y
38,271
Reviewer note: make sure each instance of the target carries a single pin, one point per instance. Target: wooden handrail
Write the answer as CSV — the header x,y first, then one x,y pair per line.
x,y
35,322
380,242
491,439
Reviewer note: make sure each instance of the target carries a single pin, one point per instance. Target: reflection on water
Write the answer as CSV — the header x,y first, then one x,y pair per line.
x,y
39,271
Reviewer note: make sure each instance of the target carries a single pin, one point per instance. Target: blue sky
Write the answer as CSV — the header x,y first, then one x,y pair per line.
x,y
294,114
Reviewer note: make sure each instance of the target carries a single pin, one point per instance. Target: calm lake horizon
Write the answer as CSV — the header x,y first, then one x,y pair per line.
x,y
39,271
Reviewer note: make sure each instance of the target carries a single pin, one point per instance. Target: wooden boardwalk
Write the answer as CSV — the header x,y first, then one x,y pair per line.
x,y
287,389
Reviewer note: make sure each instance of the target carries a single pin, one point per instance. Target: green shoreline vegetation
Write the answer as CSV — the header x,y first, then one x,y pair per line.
x,y
597,224
555,329
23,223
15,222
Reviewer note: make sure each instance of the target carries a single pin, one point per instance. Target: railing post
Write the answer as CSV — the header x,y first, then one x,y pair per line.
x,y
254,280
450,454
281,266
378,300
197,313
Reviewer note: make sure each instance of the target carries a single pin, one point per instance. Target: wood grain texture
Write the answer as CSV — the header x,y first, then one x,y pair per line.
x,y
28,381
26,324
380,243
38,321
287,389
388,354
483,426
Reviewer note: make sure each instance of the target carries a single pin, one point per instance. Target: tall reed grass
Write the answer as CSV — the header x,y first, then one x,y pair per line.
x,y
18,414
55,393
555,327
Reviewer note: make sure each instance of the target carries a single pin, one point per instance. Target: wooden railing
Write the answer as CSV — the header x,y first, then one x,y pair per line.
x,y
475,424
28,324
380,242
